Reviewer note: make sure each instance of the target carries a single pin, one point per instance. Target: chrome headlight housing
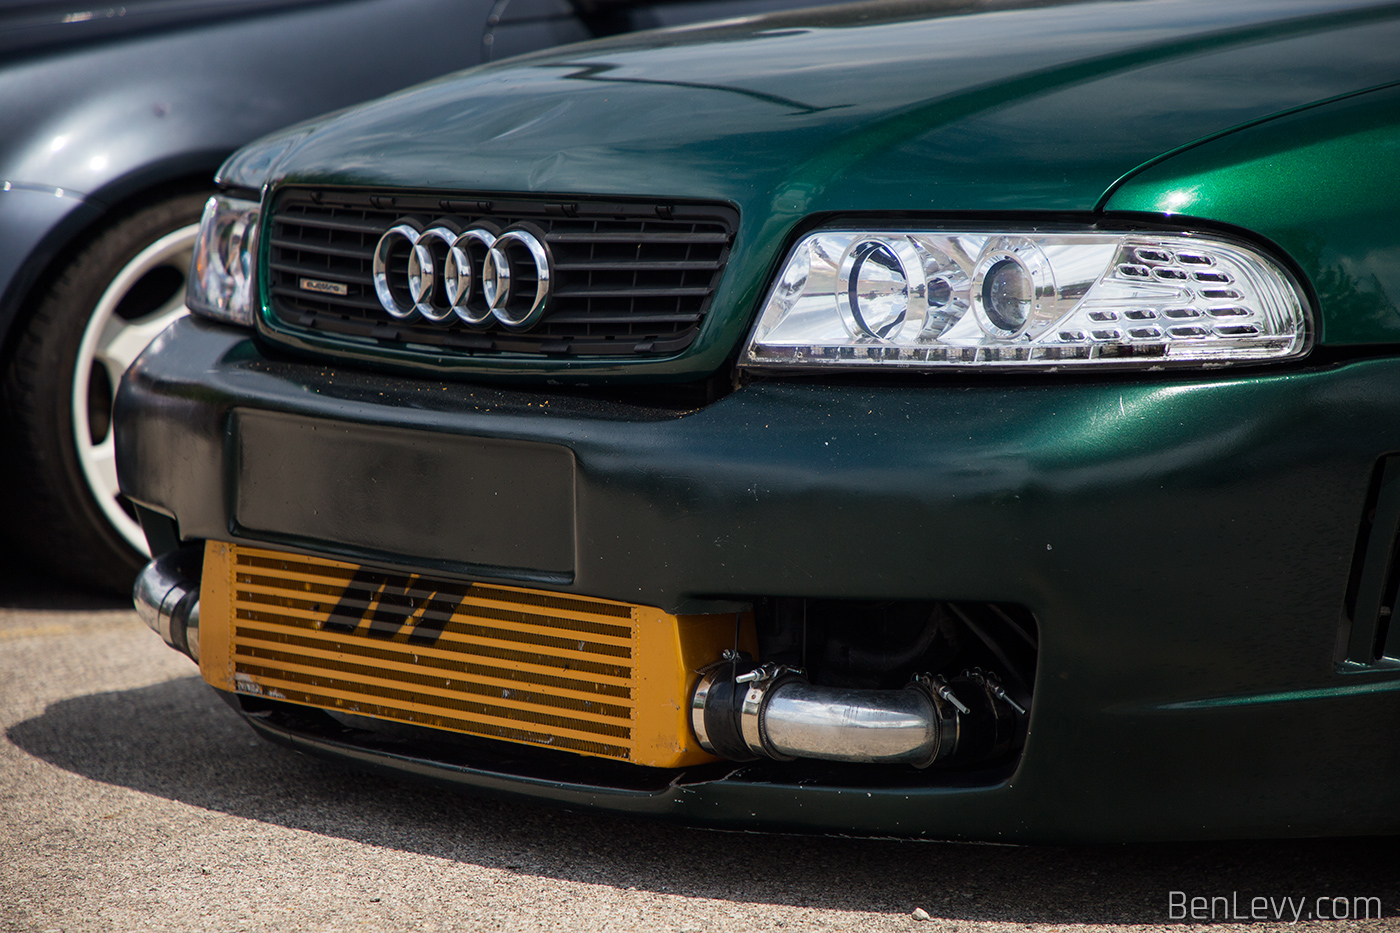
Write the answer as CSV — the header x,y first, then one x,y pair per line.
x,y
1029,297
225,261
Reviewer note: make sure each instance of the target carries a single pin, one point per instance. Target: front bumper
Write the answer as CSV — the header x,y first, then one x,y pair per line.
x,y
1185,543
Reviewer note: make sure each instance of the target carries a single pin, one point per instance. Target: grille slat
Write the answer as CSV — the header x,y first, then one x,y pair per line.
x,y
619,318
321,249
637,238
339,275
345,226
636,266
348,301
631,292
629,279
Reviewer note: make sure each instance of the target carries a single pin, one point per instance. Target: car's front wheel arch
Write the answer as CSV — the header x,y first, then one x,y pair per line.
x,y
63,358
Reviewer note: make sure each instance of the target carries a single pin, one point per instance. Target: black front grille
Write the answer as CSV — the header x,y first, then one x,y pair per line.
x,y
632,279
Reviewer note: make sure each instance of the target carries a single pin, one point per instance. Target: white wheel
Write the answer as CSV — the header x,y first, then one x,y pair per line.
x,y
99,312
110,344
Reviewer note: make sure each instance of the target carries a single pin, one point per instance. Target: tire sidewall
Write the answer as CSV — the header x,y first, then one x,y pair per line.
x,y
68,530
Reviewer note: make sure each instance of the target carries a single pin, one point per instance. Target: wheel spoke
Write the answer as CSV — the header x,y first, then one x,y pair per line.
x,y
110,344
103,458
122,341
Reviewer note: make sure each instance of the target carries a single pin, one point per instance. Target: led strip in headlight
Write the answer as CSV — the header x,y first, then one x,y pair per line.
x,y
937,298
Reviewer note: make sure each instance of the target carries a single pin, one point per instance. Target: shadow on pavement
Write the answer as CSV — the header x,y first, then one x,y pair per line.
x,y
179,741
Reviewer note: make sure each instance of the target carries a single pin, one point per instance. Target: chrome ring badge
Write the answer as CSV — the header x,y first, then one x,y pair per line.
x,y
481,275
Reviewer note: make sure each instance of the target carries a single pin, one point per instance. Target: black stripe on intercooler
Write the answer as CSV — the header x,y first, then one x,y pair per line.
x,y
490,691
619,671
490,730
552,602
360,598
454,665
463,706
295,566
473,631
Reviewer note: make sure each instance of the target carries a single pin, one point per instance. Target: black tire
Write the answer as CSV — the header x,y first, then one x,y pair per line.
x,y
55,517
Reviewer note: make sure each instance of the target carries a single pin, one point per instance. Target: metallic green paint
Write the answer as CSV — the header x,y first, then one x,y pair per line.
x,y
1289,696
1323,184
1184,541
886,107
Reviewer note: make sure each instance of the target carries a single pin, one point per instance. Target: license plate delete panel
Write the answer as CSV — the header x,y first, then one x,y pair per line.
x,y
442,497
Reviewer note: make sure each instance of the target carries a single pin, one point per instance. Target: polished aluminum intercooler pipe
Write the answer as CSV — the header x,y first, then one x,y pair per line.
x,y
771,711
166,594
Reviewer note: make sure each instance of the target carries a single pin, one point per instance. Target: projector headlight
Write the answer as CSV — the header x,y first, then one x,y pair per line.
x,y
221,273
1027,298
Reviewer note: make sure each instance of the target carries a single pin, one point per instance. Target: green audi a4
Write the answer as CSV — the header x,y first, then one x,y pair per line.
x,y
911,418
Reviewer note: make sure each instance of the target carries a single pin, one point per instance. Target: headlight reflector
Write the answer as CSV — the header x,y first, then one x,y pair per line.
x,y
937,298
1006,296
221,273
874,292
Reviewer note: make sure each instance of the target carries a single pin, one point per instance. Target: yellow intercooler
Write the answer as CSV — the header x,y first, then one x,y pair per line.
x,y
548,669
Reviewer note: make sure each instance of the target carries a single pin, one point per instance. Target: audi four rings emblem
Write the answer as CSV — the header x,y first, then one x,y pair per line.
x,y
478,274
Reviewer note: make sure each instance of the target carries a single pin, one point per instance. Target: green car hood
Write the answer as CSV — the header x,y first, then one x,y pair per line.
x,y
871,107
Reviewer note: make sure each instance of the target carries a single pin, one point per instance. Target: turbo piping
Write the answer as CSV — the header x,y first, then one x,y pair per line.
x,y
771,711
166,597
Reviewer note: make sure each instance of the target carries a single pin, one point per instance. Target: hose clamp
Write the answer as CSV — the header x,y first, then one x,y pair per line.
x,y
698,699
946,715
762,680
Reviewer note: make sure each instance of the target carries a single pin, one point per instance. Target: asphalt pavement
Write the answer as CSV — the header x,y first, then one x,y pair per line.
x,y
131,798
